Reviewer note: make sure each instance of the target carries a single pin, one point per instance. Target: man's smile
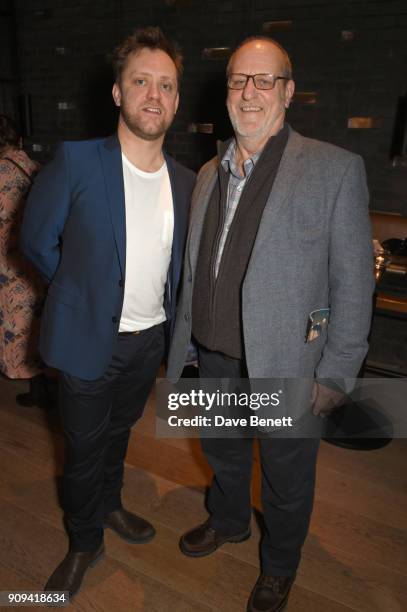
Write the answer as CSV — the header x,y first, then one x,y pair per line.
x,y
251,109
152,109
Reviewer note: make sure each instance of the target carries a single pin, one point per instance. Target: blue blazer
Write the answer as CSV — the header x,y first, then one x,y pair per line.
x,y
74,232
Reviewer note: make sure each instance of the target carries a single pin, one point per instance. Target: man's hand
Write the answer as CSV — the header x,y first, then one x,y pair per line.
x,y
325,400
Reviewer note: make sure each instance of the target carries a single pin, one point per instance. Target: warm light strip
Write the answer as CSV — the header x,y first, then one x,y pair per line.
x,y
215,52
274,26
305,97
364,123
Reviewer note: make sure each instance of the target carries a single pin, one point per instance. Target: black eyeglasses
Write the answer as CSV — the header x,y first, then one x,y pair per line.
x,y
260,81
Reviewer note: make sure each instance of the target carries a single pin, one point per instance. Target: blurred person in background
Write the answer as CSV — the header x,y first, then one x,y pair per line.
x,y
21,287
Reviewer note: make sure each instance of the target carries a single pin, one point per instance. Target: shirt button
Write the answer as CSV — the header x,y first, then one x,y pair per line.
x,y
187,316
189,279
114,319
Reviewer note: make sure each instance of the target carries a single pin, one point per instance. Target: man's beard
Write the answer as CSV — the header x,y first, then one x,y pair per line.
x,y
147,131
246,130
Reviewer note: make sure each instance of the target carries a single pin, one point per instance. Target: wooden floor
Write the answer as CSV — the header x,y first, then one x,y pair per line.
x,y
355,557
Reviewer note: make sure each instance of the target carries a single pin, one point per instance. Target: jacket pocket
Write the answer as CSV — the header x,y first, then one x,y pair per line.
x,y
66,296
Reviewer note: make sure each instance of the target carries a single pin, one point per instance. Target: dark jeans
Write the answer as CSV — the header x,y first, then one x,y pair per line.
x,y
288,481
97,416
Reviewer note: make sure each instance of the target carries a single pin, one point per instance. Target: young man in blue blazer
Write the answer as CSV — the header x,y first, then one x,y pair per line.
x,y
105,224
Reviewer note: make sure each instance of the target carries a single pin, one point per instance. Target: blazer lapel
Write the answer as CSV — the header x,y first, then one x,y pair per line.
x,y
200,201
110,155
289,173
180,219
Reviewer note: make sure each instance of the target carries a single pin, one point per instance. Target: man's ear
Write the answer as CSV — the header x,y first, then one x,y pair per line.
x,y
289,92
117,94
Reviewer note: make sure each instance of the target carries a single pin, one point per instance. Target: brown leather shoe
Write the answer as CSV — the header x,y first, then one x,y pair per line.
x,y
69,574
129,526
270,593
204,540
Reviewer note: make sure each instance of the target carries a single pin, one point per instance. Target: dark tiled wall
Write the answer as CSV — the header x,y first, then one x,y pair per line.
x,y
352,54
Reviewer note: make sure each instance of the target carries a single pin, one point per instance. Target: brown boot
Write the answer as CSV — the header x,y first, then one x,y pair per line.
x,y
69,574
204,540
129,526
270,593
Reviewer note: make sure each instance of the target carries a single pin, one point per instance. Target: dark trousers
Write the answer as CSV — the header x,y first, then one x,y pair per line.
x,y
288,481
97,416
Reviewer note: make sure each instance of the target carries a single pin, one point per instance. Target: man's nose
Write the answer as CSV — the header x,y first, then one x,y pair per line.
x,y
154,90
249,89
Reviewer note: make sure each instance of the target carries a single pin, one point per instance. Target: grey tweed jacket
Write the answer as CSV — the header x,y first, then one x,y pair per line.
x,y
313,250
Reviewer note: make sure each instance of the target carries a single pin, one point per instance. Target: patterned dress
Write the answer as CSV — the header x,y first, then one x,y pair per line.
x,y
21,288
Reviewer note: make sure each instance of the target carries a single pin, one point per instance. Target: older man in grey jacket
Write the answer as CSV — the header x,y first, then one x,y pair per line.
x,y
279,230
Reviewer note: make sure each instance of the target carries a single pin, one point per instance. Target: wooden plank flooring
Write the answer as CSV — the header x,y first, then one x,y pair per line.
x,y
355,557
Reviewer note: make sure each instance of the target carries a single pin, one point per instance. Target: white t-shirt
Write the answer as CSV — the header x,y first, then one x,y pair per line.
x,y
149,234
